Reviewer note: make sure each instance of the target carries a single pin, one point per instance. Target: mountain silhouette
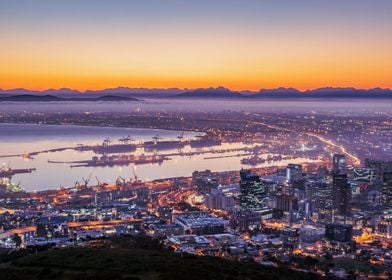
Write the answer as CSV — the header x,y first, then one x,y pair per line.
x,y
212,92
219,92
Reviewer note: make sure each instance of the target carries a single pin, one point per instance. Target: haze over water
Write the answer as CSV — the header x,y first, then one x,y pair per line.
x,y
356,106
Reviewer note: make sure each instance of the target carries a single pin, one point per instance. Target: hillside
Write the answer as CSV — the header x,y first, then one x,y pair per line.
x,y
134,263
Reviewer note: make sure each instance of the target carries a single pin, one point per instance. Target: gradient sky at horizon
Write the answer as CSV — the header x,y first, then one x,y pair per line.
x,y
248,44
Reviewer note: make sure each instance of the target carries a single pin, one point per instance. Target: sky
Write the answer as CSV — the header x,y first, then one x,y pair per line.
x,y
242,44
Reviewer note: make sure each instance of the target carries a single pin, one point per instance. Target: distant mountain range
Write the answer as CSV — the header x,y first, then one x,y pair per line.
x,y
328,92
133,94
219,92
289,93
119,91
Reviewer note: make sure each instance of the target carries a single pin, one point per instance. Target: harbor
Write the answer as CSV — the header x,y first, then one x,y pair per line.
x,y
71,152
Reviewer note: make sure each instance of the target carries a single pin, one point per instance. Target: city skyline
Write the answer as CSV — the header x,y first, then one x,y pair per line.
x,y
242,46
239,139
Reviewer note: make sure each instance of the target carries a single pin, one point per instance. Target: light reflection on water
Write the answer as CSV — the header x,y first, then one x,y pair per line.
x,y
27,138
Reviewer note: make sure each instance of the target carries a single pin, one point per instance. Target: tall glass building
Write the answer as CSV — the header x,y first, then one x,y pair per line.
x,y
252,192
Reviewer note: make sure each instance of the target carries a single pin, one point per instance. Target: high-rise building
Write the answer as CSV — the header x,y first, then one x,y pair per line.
x,y
341,194
217,199
339,232
339,164
286,202
204,180
338,238
380,167
290,237
252,192
245,220
386,190
324,202
364,174
293,172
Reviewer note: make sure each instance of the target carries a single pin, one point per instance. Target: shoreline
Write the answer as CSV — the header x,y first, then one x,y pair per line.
x,y
254,168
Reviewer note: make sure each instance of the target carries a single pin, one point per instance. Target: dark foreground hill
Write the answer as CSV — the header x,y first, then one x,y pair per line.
x,y
134,263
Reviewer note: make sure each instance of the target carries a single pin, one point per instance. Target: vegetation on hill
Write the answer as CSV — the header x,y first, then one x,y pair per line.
x,y
141,258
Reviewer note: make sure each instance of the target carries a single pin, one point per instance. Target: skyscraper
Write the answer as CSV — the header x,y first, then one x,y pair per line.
x,y
339,164
339,232
386,190
380,167
324,202
364,174
293,172
338,239
341,194
252,192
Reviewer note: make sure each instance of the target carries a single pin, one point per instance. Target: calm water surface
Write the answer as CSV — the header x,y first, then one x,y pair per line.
x,y
19,138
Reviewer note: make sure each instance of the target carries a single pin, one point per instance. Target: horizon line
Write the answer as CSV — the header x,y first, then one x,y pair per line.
x,y
194,88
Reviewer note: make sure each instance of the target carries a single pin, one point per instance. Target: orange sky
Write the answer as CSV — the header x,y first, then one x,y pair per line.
x,y
247,54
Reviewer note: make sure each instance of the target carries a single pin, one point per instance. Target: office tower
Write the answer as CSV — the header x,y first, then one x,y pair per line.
x,y
244,221
286,202
217,199
339,164
290,238
252,192
293,172
324,202
338,239
379,166
339,232
341,194
364,174
386,190
204,180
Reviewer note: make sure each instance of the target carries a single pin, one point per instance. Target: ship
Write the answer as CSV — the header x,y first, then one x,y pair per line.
x,y
119,160
124,146
203,142
115,148
255,160
8,172
150,146
155,145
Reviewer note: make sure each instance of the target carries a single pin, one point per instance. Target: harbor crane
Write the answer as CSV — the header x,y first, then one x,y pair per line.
x,y
86,181
156,138
134,174
181,137
128,139
120,181
107,142
99,183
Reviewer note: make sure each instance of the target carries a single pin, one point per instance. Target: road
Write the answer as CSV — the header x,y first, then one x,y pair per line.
x,y
88,224
356,161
